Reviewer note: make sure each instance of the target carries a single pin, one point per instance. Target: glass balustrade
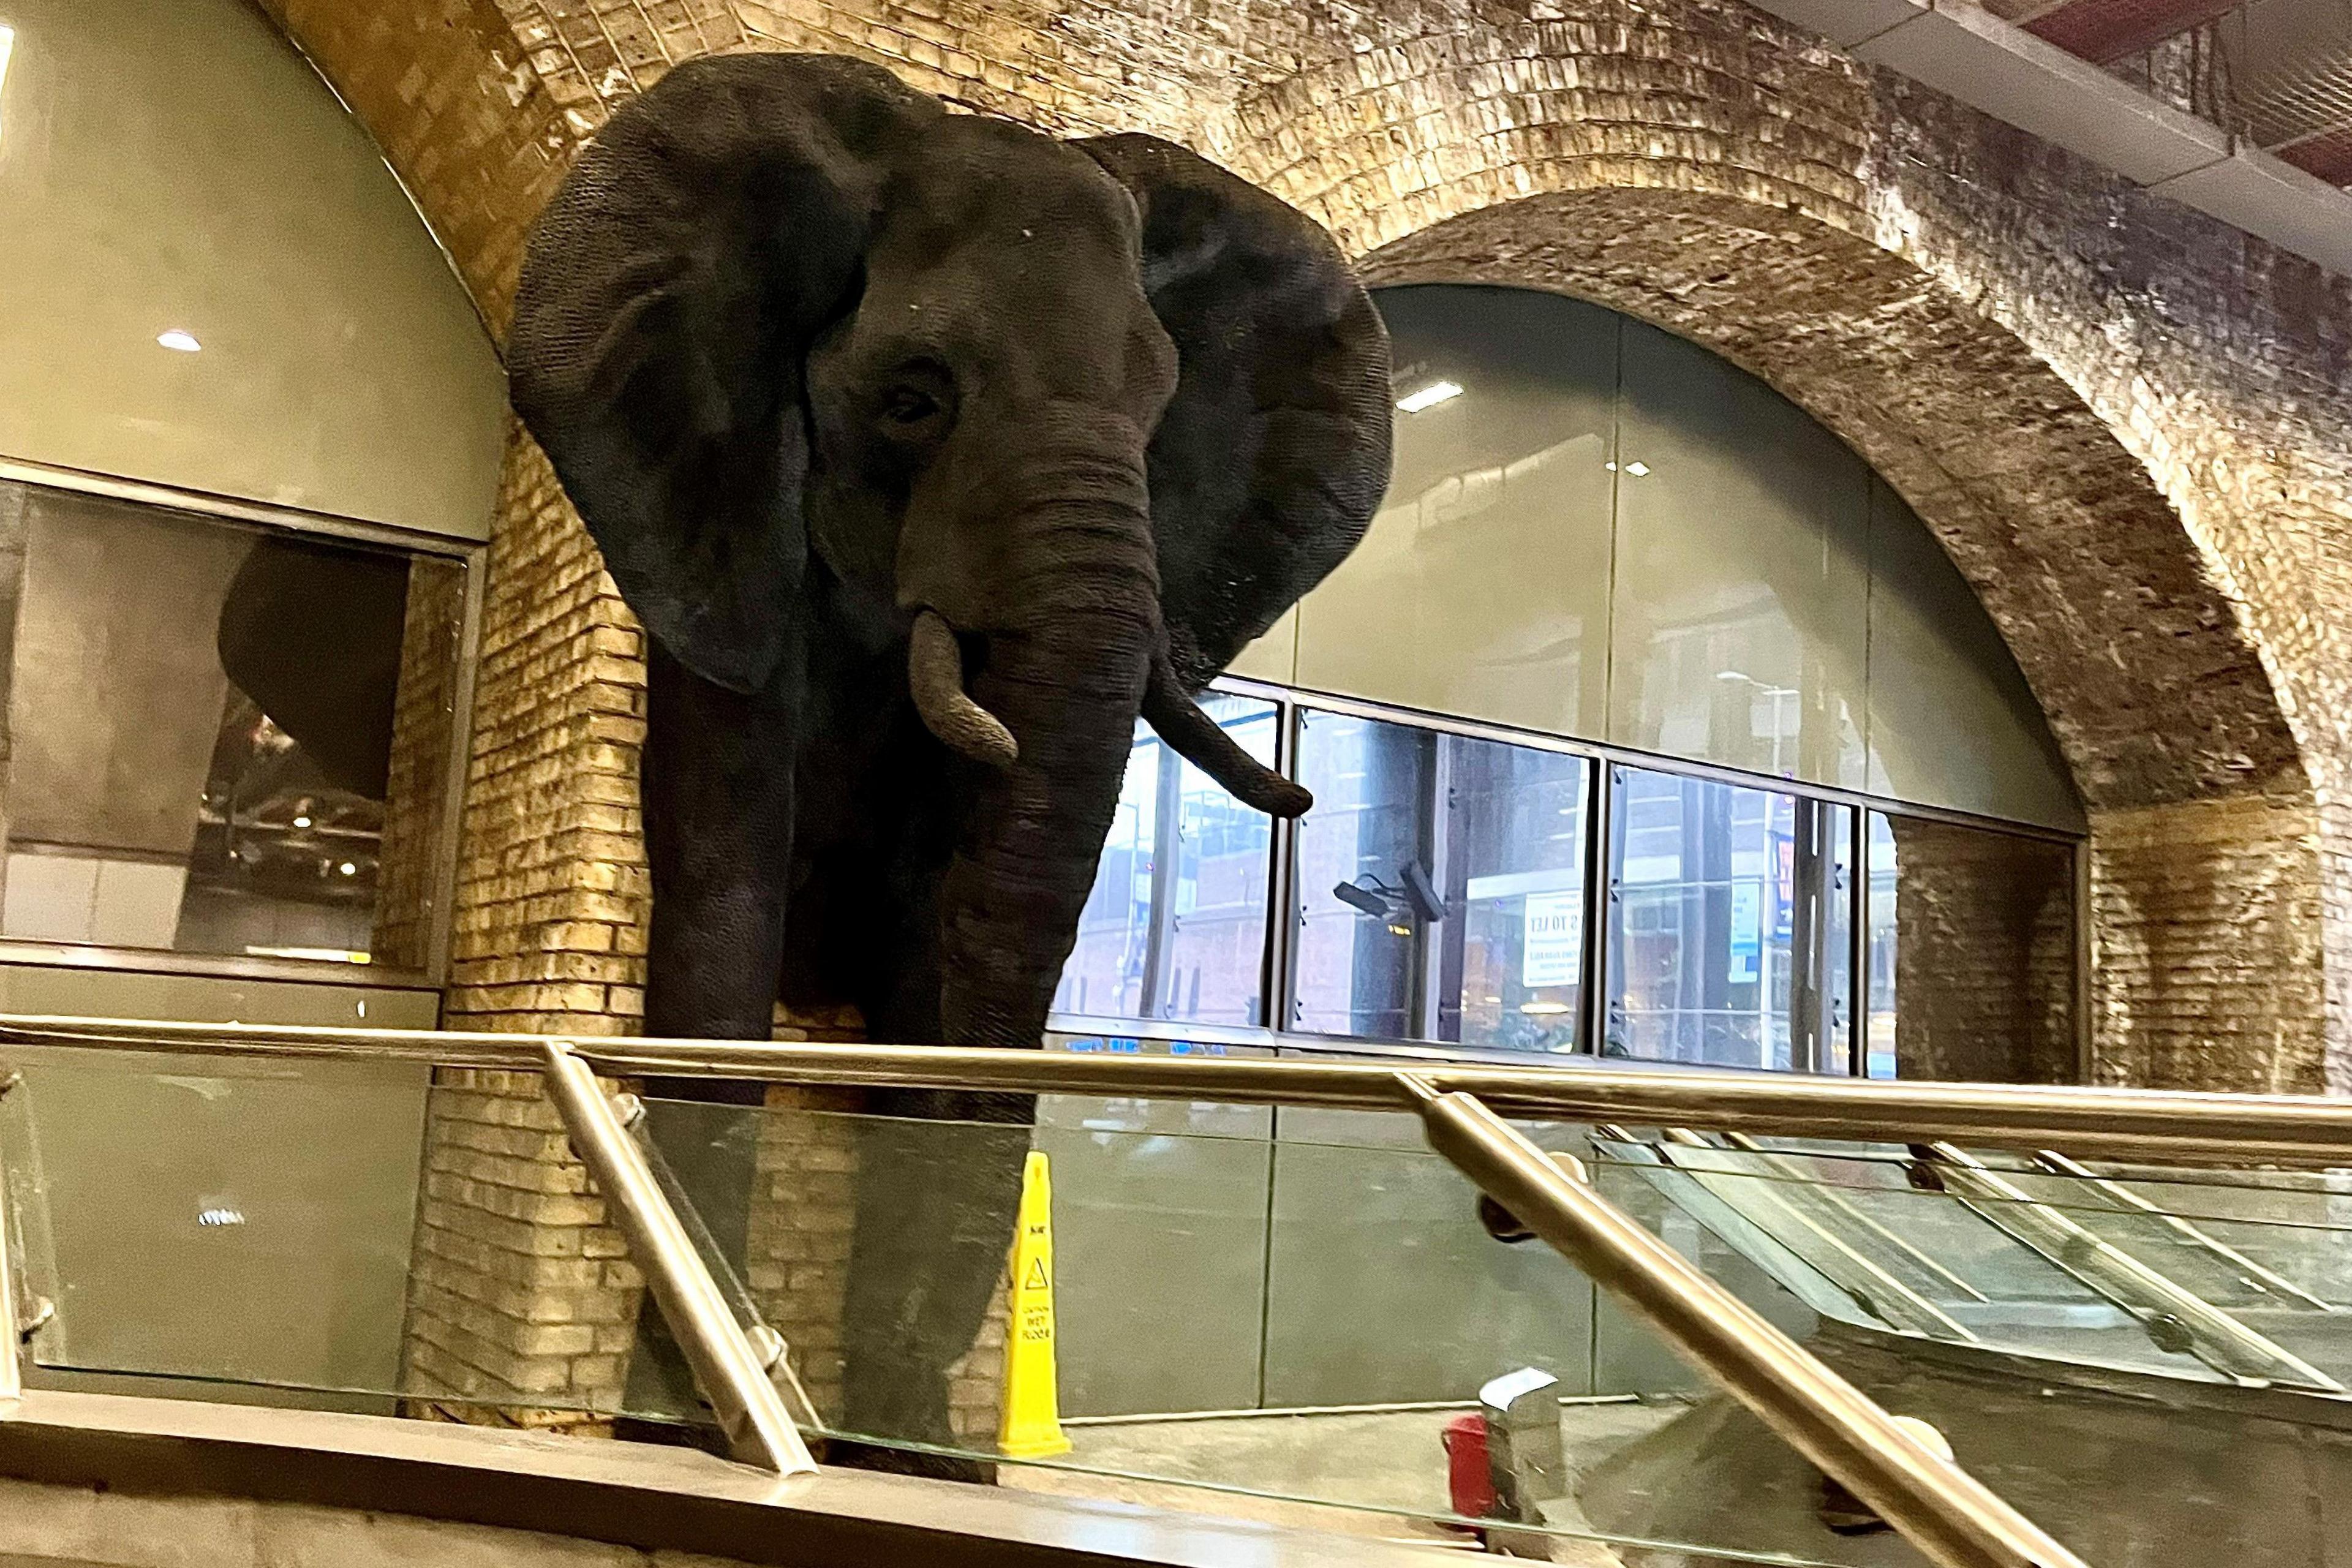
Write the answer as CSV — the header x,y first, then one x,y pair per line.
x,y
1256,1308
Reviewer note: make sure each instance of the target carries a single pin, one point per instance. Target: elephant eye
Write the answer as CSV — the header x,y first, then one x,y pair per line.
x,y
909,406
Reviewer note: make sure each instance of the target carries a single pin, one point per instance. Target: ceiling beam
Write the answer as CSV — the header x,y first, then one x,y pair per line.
x,y
2103,31
1958,47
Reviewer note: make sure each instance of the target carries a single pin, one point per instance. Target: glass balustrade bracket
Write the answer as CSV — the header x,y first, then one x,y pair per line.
x,y
1939,1507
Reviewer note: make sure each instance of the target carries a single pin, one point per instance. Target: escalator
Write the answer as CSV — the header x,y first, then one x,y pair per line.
x,y
2085,1331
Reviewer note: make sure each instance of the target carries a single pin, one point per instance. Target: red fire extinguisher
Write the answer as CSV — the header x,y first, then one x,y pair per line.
x,y
1470,1484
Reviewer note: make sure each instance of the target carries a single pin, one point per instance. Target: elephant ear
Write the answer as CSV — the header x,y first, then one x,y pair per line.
x,y
669,294
1274,453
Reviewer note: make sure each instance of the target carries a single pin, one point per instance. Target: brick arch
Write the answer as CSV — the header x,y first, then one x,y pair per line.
x,y
1882,262
1397,121
2150,682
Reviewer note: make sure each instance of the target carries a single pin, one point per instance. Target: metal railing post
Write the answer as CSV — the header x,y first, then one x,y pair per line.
x,y
12,1317
751,1412
769,1348
1939,1507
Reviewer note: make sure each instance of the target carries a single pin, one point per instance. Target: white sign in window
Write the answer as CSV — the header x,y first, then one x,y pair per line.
x,y
1552,950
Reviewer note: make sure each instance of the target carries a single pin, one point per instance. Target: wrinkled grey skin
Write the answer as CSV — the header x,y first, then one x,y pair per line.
x,y
819,362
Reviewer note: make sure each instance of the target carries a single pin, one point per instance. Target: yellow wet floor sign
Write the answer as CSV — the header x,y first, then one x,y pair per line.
x,y
1031,1425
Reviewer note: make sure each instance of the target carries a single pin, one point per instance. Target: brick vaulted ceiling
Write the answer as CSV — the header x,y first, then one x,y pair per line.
x,y
2277,73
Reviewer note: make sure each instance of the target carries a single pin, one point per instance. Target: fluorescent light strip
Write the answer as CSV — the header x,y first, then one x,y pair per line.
x,y
1429,396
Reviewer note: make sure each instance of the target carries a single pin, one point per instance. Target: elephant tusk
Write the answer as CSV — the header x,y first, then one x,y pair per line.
x,y
935,676
1170,709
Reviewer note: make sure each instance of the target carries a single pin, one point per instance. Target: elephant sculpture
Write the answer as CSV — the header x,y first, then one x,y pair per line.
x,y
931,452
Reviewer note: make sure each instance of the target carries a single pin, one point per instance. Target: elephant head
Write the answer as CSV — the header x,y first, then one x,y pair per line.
x,y
1083,417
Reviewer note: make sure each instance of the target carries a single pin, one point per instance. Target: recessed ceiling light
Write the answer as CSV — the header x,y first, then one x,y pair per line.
x,y
179,340
348,869
1638,471
1429,396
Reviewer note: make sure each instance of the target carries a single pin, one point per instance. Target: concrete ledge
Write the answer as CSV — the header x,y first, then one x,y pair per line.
x,y
226,1472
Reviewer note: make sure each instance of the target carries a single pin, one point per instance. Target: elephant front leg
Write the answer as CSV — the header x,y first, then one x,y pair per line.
x,y
718,786
717,773
939,1187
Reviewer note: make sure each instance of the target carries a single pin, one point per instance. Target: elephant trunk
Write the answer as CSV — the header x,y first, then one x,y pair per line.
x,y
1067,685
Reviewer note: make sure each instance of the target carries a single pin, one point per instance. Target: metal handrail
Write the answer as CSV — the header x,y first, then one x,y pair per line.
x,y
2109,1123
1759,1218
1861,1278
769,1347
2257,1273
1939,1507
2212,1335
750,1410
1786,1169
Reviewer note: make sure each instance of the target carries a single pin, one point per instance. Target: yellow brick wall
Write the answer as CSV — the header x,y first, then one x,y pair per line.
x,y
522,1304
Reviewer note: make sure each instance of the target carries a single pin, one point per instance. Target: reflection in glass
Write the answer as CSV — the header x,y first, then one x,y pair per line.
x,y
1740,609
1722,922
1441,886
1514,467
1175,927
1971,952
1363,879
223,740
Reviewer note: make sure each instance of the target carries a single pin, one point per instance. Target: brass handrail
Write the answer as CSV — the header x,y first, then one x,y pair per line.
x,y
1943,1511
1937,1505
2126,1201
2108,1123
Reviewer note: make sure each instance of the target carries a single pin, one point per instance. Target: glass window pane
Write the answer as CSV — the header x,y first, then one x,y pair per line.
x,y
1516,842
1175,927
1360,851
1878,1058
1104,974
1441,886
1740,610
1216,933
1724,925
1506,454
222,739
1971,954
